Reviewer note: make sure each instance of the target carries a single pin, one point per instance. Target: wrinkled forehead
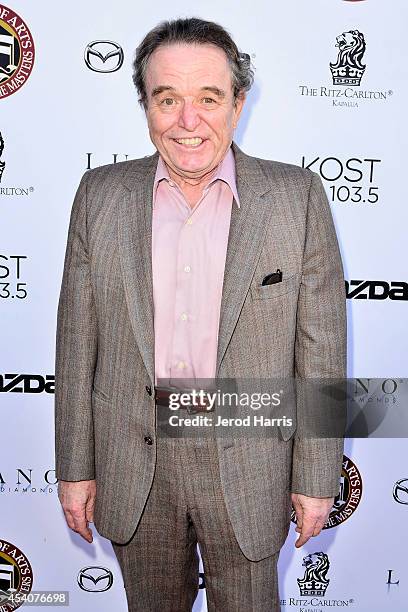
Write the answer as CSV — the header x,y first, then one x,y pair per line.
x,y
188,66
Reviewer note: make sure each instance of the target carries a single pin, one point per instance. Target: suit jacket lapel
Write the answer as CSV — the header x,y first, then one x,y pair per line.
x,y
246,235
247,232
135,247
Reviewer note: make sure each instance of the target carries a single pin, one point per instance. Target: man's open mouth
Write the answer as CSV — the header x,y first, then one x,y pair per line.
x,y
190,142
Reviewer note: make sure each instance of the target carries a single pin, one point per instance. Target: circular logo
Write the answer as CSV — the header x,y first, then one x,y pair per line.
x,y
16,576
346,502
95,578
98,52
16,52
400,491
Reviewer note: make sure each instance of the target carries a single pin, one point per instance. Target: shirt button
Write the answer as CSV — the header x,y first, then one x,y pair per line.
x,y
189,221
184,317
148,440
181,365
187,268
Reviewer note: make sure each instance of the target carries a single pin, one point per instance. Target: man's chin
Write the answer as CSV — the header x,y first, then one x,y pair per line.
x,y
191,169
192,173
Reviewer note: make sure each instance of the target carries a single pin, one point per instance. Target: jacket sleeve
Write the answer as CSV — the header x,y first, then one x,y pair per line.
x,y
76,352
321,344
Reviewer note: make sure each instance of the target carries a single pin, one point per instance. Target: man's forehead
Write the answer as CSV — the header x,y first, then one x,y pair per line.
x,y
189,69
183,61
189,49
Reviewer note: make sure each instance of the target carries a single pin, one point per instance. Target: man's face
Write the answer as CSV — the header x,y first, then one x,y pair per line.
x,y
190,96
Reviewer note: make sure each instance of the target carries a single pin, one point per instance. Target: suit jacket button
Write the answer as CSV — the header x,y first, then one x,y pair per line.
x,y
148,440
148,389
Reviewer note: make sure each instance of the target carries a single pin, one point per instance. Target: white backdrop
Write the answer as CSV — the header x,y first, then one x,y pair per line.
x,y
65,111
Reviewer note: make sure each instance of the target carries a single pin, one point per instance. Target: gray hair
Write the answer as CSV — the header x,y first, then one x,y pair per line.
x,y
192,30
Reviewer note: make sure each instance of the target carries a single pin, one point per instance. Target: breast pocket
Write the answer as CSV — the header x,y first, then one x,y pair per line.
x,y
259,292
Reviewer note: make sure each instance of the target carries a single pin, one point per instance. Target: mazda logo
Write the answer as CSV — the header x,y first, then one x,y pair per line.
x,y
98,52
90,577
400,492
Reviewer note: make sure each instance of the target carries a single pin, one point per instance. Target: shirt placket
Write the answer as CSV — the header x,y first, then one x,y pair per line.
x,y
182,364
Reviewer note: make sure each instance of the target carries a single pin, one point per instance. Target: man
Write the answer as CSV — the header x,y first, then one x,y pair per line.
x,y
162,280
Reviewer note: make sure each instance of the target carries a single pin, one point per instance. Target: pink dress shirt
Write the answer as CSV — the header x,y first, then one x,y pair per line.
x,y
189,247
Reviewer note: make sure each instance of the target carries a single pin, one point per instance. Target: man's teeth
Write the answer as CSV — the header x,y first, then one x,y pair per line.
x,y
189,141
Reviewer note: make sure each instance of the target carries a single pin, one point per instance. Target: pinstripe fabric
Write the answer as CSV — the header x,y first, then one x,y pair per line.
x,y
185,506
105,342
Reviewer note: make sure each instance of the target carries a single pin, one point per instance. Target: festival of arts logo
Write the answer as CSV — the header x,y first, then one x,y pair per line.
x,y
16,52
16,576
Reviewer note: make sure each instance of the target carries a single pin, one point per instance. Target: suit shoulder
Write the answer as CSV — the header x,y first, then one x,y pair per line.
x,y
121,167
285,174
116,172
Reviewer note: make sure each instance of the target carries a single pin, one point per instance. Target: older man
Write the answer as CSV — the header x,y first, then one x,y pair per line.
x,y
164,278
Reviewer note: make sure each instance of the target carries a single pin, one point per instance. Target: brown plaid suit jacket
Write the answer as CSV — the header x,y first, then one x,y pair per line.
x,y
105,342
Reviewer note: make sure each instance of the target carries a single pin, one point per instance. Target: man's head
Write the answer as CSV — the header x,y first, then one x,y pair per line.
x,y
192,81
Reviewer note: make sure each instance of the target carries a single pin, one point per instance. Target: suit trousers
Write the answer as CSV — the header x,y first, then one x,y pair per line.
x,y
160,565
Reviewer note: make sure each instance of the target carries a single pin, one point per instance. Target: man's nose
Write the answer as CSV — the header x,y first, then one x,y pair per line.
x,y
189,117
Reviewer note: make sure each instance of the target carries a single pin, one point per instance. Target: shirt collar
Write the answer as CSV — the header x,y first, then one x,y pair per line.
x,y
226,172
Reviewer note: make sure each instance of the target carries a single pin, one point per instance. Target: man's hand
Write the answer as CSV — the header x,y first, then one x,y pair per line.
x,y
311,513
78,501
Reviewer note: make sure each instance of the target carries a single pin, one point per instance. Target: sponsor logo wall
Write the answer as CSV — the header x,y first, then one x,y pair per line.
x,y
330,95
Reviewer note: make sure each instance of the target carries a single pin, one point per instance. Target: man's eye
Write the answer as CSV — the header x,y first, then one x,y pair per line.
x,y
208,100
167,101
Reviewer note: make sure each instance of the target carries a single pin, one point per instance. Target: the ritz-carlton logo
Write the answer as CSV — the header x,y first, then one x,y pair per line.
x,y
348,69
347,73
315,582
313,586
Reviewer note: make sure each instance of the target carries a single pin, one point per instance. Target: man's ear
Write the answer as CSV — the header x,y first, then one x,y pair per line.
x,y
239,105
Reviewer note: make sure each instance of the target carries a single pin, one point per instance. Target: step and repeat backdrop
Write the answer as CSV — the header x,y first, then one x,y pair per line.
x,y
330,94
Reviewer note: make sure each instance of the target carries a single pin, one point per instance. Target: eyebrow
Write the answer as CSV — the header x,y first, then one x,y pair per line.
x,y
220,93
